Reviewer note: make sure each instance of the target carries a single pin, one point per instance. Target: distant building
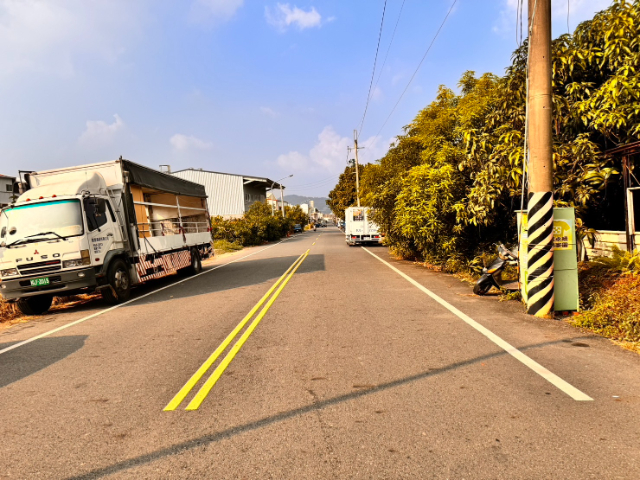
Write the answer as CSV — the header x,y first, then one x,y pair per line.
x,y
305,208
276,204
6,190
229,195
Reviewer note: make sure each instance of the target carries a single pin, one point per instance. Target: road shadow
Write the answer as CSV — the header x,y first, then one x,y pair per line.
x,y
226,276
241,273
35,356
317,405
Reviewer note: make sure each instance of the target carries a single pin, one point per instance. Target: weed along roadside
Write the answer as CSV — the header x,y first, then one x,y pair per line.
x,y
609,296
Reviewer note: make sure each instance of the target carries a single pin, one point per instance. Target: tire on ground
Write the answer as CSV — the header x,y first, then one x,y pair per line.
x,y
481,287
35,305
120,282
196,263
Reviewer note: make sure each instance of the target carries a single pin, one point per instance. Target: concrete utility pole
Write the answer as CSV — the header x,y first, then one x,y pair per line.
x,y
282,200
540,286
355,141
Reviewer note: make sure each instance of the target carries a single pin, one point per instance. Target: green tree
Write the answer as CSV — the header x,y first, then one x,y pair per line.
x,y
450,184
343,194
296,215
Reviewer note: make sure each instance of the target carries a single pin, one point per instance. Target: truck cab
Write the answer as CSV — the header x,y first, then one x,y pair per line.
x,y
53,241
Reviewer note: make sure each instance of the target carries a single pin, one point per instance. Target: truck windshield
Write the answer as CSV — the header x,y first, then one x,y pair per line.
x,y
25,223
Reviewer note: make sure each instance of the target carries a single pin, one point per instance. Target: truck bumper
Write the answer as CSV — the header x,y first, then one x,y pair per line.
x,y
363,240
61,284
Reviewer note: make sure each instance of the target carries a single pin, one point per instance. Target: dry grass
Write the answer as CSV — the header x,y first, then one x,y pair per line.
x,y
611,304
8,311
10,314
224,246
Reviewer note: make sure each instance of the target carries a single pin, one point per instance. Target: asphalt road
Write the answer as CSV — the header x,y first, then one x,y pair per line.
x,y
355,371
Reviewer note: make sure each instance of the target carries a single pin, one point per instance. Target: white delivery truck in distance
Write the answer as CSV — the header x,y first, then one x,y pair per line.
x,y
105,227
358,229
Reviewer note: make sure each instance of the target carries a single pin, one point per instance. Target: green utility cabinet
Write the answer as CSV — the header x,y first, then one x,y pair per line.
x,y
565,259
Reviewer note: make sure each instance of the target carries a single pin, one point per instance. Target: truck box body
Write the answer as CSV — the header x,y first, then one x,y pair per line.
x,y
358,229
62,234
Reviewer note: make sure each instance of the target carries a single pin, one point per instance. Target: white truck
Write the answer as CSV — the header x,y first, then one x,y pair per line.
x,y
358,229
105,227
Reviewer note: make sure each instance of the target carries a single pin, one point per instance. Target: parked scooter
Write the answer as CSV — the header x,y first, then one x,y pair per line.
x,y
492,275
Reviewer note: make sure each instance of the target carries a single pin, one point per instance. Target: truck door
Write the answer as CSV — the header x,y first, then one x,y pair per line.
x,y
103,232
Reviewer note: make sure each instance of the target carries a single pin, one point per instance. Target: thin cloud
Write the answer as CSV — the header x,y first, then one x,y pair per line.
x,y
214,11
269,112
282,16
49,37
182,142
99,133
329,154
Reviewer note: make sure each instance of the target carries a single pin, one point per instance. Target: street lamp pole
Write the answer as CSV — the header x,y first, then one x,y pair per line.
x,y
281,193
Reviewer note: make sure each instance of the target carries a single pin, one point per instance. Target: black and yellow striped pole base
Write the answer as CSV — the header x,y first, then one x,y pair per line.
x,y
540,254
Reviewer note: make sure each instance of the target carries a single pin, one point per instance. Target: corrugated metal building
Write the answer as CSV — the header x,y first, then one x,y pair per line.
x,y
230,195
6,190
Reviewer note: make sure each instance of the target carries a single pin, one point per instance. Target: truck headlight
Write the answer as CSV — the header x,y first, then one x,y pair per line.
x,y
78,262
9,272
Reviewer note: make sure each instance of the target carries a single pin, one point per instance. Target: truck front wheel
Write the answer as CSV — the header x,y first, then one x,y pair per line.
x,y
35,305
119,281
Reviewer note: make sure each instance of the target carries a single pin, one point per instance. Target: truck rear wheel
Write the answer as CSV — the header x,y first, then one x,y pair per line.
x,y
35,305
120,282
196,263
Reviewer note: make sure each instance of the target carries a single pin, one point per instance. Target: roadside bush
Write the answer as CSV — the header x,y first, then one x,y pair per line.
x,y
225,246
621,261
258,226
610,301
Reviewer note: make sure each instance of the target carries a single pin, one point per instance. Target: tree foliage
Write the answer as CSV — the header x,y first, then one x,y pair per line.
x,y
296,215
451,183
259,225
343,194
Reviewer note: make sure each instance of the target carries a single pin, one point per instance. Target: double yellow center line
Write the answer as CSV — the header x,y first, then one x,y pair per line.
x,y
217,373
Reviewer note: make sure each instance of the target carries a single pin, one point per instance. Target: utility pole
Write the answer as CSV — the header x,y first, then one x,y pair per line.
x,y
282,200
355,141
540,294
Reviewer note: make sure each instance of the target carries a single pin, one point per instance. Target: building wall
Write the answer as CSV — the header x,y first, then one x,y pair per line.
x,y
254,192
225,192
6,191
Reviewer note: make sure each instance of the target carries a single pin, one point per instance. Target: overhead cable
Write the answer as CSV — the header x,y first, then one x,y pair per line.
x,y
373,73
416,71
389,47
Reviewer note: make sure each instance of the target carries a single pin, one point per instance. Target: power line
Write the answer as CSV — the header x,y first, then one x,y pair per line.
x,y
324,180
519,15
418,68
390,43
375,60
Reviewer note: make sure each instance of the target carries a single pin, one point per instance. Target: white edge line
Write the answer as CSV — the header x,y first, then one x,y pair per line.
x,y
558,382
55,330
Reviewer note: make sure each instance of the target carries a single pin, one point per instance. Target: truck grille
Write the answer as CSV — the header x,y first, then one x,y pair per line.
x,y
40,267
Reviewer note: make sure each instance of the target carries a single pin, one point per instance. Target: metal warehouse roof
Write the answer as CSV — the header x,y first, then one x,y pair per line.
x,y
251,178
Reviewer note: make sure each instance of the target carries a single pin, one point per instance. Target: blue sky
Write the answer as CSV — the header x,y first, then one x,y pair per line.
x,y
242,86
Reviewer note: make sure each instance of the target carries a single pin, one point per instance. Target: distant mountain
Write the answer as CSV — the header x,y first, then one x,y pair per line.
x,y
320,202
